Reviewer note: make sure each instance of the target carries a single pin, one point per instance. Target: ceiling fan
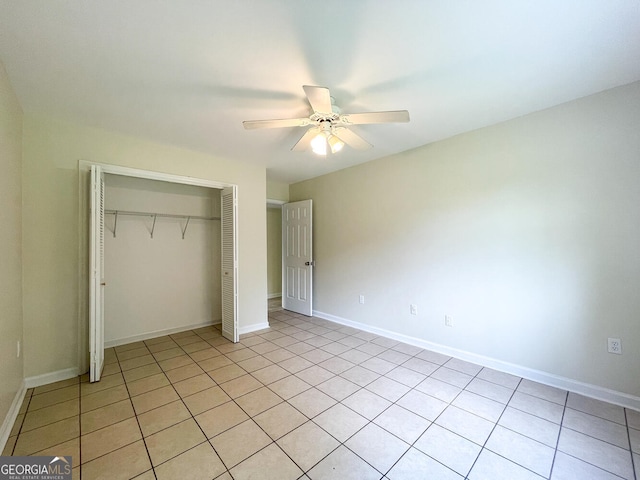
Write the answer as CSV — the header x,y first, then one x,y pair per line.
x,y
328,125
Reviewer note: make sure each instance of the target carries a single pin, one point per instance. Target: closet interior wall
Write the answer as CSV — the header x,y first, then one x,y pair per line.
x,y
163,284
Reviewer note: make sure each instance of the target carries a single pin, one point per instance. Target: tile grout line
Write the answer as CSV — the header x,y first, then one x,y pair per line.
x,y
208,440
633,463
107,426
192,417
163,372
595,438
370,421
508,459
555,452
340,443
495,424
304,472
555,448
449,404
293,321
384,410
22,422
364,387
308,419
80,421
274,442
126,386
412,445
561,426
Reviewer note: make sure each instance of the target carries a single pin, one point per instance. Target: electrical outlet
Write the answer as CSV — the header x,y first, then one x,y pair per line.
x,y
614,345
18,349
448,321
414,309
362,299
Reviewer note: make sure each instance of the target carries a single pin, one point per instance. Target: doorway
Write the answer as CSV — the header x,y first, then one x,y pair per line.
x,y
274,251
290,256
93,334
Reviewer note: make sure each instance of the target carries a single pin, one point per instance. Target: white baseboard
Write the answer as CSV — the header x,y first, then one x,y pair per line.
x,y
157,333
47,378
586,389
12,414
273,295
30,382
253,328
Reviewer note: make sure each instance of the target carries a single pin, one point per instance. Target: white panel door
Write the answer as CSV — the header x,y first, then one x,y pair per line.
x,y
229,265
96,275
297,257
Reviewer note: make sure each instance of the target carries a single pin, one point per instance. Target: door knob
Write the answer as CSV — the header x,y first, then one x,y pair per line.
x,y
310,264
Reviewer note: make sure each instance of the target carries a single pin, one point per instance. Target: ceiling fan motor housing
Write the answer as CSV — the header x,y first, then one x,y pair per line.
x,y
328,121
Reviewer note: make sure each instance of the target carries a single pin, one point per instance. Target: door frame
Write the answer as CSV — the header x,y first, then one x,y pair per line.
x,y
275,205
84,169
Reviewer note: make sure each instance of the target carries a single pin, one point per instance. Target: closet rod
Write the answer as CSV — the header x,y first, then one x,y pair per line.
x,y
155,215
159,215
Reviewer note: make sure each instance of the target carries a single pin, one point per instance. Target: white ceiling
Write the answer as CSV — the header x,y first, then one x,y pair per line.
x,y
188,72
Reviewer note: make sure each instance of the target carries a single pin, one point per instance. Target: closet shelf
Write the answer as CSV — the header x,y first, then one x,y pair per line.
x,y
155,216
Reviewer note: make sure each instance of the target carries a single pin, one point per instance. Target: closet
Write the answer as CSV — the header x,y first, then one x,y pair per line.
x,y
162,258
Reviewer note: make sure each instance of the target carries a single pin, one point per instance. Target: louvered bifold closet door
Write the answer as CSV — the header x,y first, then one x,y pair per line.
x,y
229,265
96,275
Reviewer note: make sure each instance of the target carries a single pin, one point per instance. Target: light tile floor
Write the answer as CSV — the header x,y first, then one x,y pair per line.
x,y
311,399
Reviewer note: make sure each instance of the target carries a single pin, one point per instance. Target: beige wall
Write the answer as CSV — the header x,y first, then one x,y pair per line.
x,y
277,191
274,251
54,313
165,283
11,367
526,234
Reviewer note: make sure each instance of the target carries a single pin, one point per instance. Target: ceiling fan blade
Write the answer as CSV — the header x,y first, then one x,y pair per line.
x,y
352,139
319,98
305,142
288,122
398,116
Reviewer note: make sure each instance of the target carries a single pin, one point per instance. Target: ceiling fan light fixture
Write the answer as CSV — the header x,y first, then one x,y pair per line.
x,y
319,144
326,119
335,143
